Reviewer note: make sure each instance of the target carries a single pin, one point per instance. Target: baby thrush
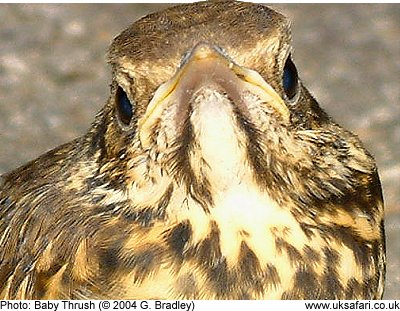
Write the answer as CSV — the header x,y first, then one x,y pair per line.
x,y
210,173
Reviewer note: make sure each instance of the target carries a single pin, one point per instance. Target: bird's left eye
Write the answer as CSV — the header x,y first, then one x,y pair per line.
x,y
290,79
124,107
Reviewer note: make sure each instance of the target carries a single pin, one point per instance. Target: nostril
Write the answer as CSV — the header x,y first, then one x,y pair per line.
x,y
202,50
185,58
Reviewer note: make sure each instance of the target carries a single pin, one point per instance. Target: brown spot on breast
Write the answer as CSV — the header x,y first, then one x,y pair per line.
x,y
308,230
207,255
294,255
222,284
146,216
272,276
280,232
165,199
305,285
244,233
311,256
108,260
207,252
177,238
347,236
186,286
333,288
246,280
249,269
142,262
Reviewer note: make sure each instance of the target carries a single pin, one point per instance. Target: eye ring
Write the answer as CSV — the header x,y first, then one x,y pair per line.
x,y
124,107
290,79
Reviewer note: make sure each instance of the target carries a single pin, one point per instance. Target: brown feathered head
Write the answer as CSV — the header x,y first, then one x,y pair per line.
x,y
209,95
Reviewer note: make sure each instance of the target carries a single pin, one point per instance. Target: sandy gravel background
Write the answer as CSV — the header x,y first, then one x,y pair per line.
x,y
53,79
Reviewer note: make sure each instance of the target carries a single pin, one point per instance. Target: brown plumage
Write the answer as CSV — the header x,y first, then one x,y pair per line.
x,y
211,173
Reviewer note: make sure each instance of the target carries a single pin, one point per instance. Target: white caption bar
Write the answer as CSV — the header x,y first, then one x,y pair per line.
x,y
191,305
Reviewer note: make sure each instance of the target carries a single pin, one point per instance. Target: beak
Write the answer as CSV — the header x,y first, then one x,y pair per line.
x,y
206,65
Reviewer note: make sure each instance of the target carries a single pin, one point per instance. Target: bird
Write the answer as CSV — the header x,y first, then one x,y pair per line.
x,y
210,173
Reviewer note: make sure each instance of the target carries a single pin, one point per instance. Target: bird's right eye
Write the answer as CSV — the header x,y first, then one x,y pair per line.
x,y
124,107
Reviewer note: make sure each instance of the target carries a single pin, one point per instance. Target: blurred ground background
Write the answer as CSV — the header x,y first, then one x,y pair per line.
x,y
53,80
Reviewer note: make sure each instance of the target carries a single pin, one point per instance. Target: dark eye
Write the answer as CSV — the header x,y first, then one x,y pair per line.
x,y
290,79
124,107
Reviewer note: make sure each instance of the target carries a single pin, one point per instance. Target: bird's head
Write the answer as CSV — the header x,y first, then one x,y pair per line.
x,y
207,95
